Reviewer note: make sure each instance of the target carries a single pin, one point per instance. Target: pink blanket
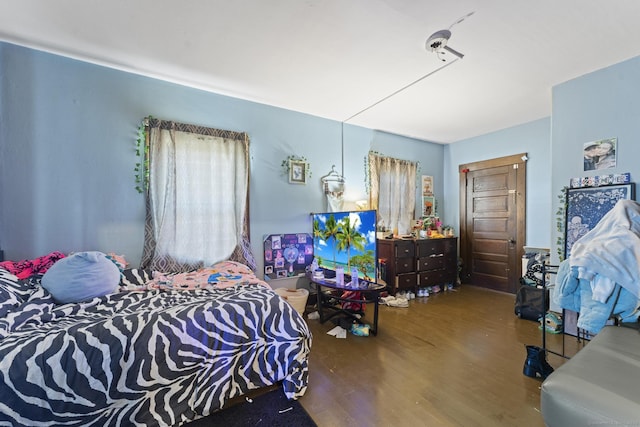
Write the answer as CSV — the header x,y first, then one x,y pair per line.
x,y
28,267
221,275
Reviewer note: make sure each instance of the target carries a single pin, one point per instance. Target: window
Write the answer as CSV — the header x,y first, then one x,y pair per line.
x,y
197,197
393,191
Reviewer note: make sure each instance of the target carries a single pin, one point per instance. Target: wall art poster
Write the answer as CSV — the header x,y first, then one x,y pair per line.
x,y
428,206
587,206
287,255
427,185
598,155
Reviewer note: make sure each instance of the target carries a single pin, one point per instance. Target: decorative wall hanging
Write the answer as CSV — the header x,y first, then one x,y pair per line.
x,y
427,185
287,255
297,168
587,206
141,168
600,180
333,186
428,206
428,200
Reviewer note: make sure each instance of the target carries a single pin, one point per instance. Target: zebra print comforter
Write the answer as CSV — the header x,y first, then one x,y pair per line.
x,y
143,358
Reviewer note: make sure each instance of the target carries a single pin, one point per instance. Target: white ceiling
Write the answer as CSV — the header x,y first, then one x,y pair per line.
x,y
335,58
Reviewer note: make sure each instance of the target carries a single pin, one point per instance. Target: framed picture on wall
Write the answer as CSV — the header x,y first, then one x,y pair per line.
x,y
600,154
297,172
587,206
428,206
427,185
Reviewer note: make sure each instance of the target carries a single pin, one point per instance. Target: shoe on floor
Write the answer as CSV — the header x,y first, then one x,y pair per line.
x,y
387,299
399,302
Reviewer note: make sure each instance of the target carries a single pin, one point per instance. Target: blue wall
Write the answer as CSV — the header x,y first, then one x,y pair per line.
x,y
67,131
533,138
602,104
67,154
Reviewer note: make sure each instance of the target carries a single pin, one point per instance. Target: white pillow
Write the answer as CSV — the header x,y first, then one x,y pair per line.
x,y
81,277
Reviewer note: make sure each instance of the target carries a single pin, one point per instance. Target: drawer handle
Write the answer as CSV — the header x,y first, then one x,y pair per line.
x,y
436,255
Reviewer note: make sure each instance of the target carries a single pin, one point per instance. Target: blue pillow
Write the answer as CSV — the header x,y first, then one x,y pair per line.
x,y
81,277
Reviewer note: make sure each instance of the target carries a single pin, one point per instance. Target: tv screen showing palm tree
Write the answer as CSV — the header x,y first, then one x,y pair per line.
x,y
346,239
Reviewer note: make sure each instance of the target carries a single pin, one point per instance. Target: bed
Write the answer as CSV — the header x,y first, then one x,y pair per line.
x,y
159,353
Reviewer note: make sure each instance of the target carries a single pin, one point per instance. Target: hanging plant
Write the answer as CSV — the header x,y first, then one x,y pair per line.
x,y
367,171
286,165
561,220
141,168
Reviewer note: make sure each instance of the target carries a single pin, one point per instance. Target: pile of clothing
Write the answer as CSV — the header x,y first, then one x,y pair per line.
x,y
32,267
601,278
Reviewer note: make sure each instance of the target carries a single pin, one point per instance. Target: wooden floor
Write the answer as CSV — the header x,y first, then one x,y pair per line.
x,y
453,359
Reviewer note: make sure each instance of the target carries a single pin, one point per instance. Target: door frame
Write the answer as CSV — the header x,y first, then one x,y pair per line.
x,y
519,162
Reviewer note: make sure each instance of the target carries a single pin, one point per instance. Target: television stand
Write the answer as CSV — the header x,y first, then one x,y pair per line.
x,y
367,293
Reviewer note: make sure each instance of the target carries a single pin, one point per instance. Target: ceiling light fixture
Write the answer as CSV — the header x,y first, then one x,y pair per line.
x,y
438,43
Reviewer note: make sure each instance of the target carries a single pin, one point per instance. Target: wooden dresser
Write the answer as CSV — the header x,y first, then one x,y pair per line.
x,y
418,263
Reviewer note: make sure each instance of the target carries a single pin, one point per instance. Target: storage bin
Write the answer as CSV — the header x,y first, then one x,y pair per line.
x,y
296,297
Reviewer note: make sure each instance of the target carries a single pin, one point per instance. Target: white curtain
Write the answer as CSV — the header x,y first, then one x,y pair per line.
x,y
393,191
197,198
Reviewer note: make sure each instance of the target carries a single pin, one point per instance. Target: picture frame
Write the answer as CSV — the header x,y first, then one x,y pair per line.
x,y
297,172
586,207
427,185
601,154
428,206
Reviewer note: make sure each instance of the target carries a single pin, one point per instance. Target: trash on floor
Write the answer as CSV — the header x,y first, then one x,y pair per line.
x,y
338,332
553,323
360,330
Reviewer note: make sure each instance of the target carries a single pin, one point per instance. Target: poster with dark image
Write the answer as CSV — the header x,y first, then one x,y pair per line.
x,y
587,206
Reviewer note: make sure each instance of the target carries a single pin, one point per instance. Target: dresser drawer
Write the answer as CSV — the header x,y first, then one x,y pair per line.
x,y
427,247
404,265
404,249
406,280
412,263
433,262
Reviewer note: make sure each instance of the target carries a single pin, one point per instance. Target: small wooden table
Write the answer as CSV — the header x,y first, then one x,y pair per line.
x,y
370,292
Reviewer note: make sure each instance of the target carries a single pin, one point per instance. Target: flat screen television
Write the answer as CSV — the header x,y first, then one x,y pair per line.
x,y
346,239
